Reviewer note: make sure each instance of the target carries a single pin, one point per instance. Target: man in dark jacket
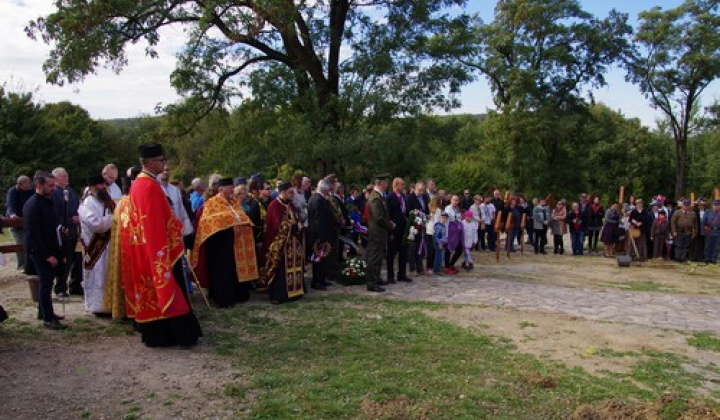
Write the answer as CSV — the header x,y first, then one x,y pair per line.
x,y
585,212
379,228
398,211
15,199
321,235
66,204
42,245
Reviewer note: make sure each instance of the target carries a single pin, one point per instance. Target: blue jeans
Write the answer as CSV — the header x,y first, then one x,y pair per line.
x,y
577,239
46,275
439,260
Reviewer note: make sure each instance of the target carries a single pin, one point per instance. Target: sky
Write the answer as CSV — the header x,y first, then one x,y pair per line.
x,y
144,84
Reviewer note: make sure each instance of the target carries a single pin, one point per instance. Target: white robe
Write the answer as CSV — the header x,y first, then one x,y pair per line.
x,y
94,218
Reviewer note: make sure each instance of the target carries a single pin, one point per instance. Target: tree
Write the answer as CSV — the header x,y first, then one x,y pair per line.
x,y
330,59
677,59
538,56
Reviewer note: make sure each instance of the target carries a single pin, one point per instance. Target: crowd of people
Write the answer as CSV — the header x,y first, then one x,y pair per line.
x,y
137,252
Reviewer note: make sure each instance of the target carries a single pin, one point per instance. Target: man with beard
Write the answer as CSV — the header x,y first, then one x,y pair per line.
x,y
96,212
151,238
322,225
66,204
283,248
42,245
110,175
224,255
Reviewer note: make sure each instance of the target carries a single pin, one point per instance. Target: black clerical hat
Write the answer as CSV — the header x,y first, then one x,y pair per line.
x,y
95,180
284,186
148,151
225,182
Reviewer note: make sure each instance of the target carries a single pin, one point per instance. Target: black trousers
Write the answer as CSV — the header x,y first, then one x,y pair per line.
x,y
540,240
450,261
69,267
430,248
46,274
397,246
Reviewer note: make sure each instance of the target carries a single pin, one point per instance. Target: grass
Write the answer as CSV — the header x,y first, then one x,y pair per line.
x,y
640,286
705,341
344,357
350,358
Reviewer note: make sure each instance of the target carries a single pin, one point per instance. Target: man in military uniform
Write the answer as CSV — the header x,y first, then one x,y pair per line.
x,y
711,225
379,227
683,230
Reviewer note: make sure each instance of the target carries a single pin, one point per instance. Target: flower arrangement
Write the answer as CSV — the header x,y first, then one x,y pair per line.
x,y
416,221
353,272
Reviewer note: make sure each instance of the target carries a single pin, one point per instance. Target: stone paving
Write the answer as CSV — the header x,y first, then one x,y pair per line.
x,y
672,311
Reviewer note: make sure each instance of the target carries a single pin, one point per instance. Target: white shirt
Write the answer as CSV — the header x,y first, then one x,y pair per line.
x,y
487,212
115,192
453,214
174,194
476,210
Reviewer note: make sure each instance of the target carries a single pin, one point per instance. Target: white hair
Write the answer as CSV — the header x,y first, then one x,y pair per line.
x,y
323,186
196,183
214,179
59,171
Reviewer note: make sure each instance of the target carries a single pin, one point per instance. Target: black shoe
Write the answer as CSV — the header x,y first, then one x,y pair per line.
x,y
54,325
385,283
405,279
377,289
77,292
62,295
317,286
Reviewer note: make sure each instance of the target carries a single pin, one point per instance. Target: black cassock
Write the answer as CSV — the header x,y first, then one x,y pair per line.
x,y
225,289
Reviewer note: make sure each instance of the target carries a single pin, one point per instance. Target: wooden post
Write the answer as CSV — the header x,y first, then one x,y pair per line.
x,y
621,197
717,194
508,233
498,223
522,229
692,200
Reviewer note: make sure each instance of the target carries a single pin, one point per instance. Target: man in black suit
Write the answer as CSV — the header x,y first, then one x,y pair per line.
x,y
398,211
466,201
66,204
417,201
379,228
42,244
322,236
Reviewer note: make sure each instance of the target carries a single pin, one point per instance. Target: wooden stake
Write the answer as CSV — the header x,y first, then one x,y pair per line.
x,y
692,200
621,197
717,194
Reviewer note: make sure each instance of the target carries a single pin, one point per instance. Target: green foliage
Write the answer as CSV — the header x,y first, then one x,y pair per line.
x,y
34,137
676,60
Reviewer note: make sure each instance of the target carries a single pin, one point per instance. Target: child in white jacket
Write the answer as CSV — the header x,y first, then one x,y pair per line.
x,y
470,238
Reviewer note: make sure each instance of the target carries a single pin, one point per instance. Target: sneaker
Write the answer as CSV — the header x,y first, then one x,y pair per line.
x,y
429,272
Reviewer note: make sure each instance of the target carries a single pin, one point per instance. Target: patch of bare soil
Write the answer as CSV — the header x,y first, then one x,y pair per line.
x,y
597,347
400,408
74,375
670,407
602,273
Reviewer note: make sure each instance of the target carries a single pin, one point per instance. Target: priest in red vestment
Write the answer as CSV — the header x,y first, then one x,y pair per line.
x,y
224,257
283,248
151,240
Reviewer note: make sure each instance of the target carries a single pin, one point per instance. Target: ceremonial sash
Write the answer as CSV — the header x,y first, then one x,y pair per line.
x,y
95,248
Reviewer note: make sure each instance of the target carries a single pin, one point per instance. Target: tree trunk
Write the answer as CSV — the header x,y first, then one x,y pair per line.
x,y
681,165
